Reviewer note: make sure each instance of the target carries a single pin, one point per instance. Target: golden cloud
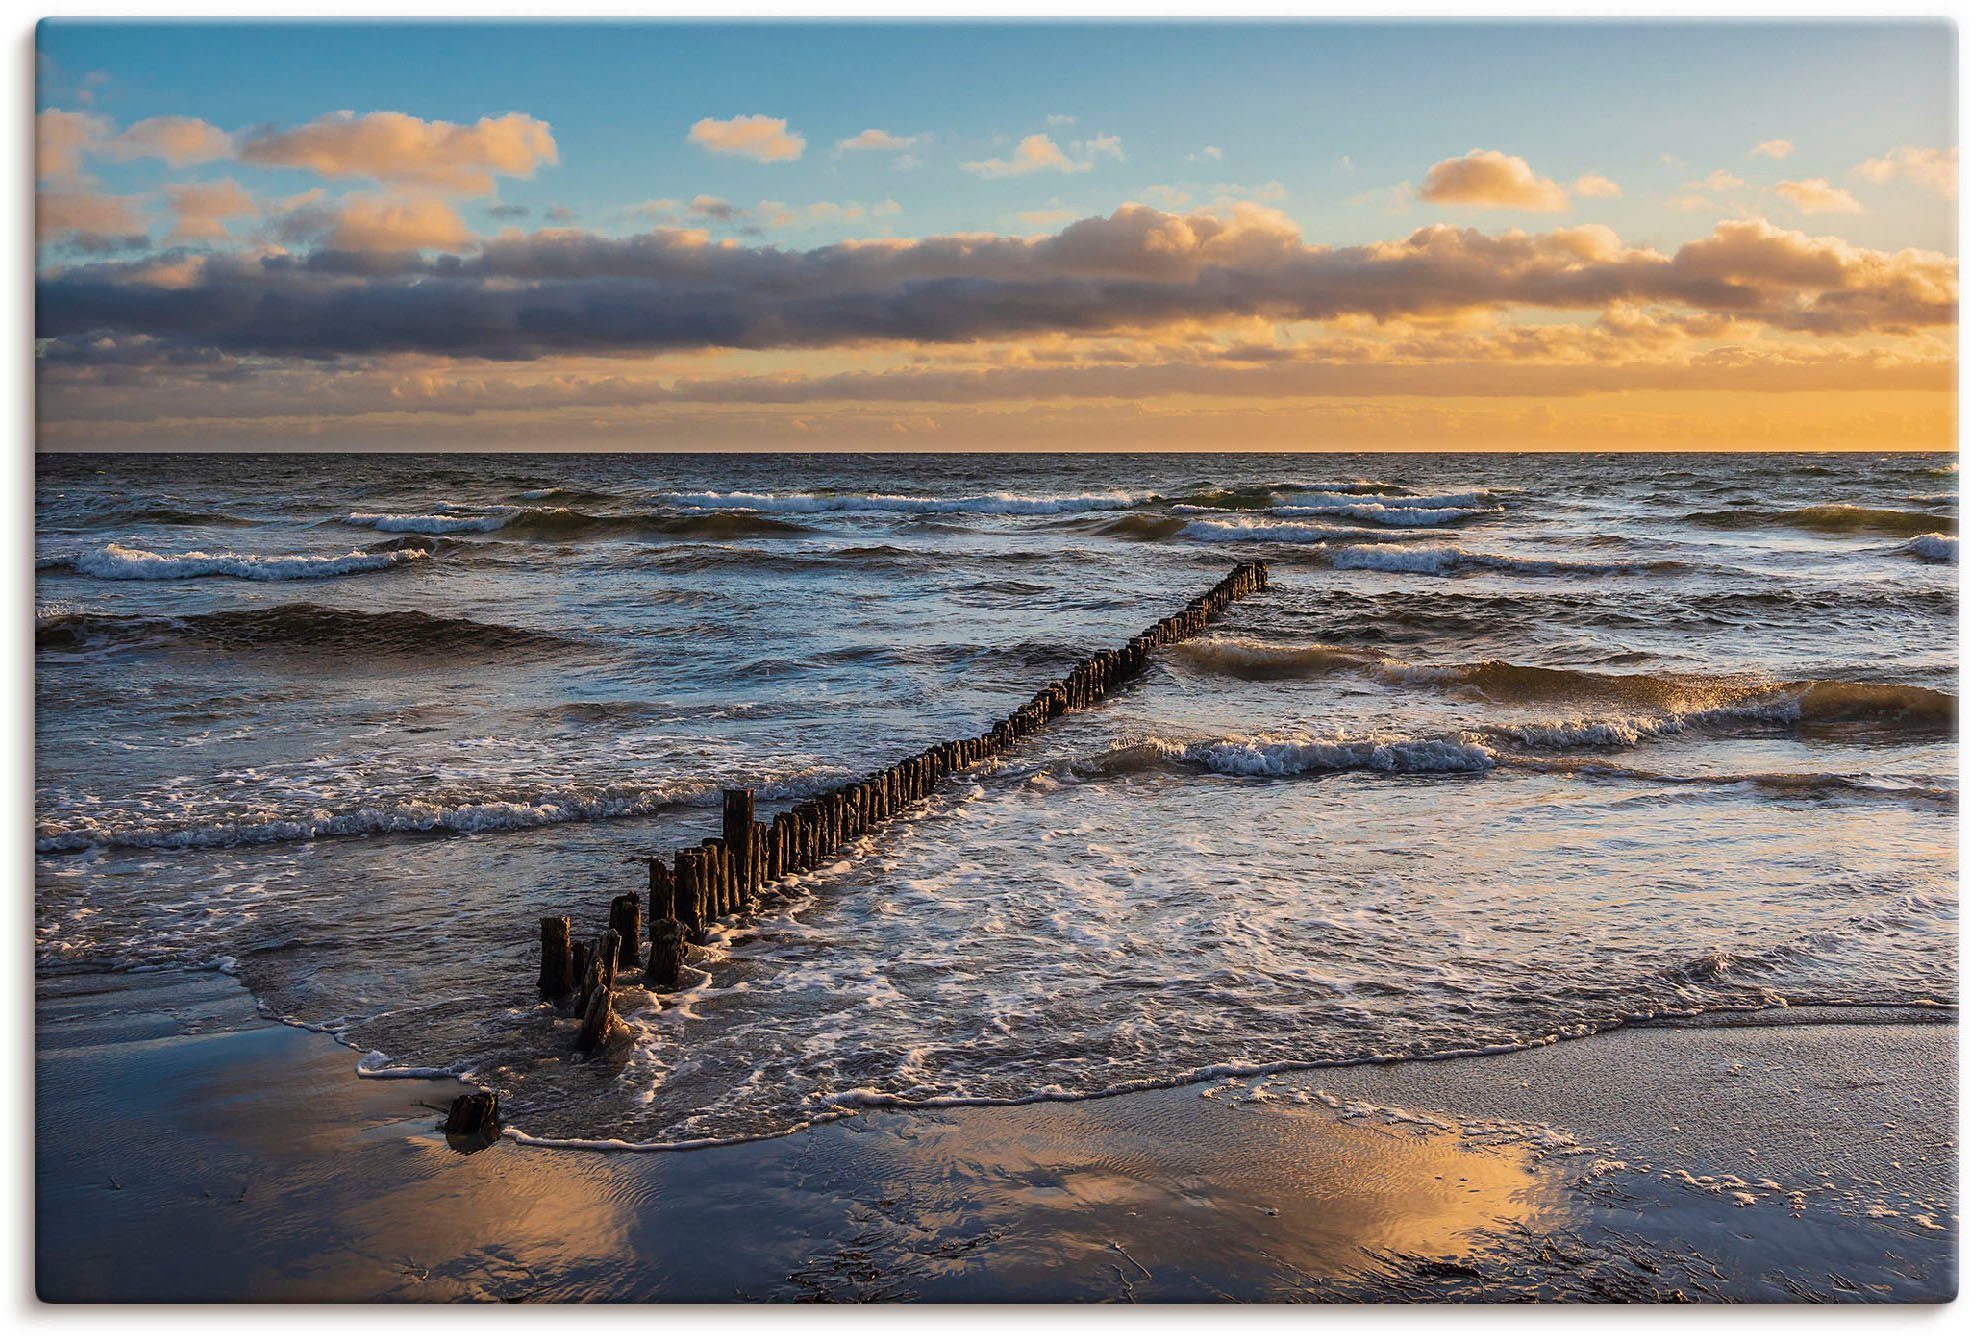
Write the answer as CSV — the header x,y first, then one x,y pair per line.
x,y
180,141
391,146
1486,179
1817,195
763,138
200,212
1938,169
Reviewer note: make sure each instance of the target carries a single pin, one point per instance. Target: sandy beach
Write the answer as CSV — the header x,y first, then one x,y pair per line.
x,y
189,1149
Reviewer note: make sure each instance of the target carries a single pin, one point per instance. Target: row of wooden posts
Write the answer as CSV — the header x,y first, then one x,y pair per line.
x,y
725,874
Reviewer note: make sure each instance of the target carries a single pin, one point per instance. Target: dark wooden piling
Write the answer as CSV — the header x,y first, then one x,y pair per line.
x,y
686,895
737,830
625,916
668,954
557,979
475,1113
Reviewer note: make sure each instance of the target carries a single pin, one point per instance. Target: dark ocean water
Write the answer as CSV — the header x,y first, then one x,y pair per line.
x,y
1515,748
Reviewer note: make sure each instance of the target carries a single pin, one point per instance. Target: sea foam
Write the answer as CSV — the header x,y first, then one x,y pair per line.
x,y
114,561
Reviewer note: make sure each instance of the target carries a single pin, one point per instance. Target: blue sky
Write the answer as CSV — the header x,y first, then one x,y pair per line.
x,y
1284,104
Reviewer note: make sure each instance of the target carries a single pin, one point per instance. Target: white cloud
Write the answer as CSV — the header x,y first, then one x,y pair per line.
x,y
1593,186
1773,148
1487,179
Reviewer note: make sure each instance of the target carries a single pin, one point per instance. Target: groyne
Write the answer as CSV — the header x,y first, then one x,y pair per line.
x,y
728,874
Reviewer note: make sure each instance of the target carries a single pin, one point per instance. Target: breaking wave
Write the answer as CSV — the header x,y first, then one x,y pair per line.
x,y
1932,547
993,503
1451,559
503,809
115,561
1677,695
565,523
1838,519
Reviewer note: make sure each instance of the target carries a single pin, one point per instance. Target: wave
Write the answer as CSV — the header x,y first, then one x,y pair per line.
x,y
1838,519
1451,559
992,503
1690,696
1812,786
447,523
118,562
503,810
1932,547
1484,748
564,523
1265,531
294,626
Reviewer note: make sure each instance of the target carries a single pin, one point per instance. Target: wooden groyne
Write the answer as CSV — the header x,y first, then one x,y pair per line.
x,y
726,874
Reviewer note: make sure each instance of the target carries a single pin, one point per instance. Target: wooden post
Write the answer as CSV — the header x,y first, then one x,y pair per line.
x,y
660,900
737,829
668,954
686,895
557,979
624,921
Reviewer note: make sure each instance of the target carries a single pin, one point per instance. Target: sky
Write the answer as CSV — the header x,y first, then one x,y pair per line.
x,y
996,237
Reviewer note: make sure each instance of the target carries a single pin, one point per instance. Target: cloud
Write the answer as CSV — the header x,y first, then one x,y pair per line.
x,y
763,138
1718,180
1040,153
376,224
1059,120
523,296
1594,186
1817,195
87,219
1207,154
877,141
716,210
1486,179
61,138
1046,218
507,212
180,141
393,147
1939,170
775,214
201,211
1773,148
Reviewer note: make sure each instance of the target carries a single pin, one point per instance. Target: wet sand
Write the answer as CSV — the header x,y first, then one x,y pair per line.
x,y
187,1149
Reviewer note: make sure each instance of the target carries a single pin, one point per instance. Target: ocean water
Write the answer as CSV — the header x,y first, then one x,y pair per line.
x,y
1514,749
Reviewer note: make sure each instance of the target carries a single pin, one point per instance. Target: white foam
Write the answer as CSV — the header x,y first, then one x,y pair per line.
x,y
1253,530
385,522
1932,547
993,503
117,562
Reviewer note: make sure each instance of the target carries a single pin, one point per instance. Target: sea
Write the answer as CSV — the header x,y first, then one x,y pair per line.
x,y
1515,748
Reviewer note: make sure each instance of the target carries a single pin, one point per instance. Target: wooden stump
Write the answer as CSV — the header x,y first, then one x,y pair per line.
x,y
598,1021
557,978
686,895
474,1112
668,954
625,920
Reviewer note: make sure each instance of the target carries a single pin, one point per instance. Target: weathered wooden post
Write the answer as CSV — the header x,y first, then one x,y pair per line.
x,y
737,829
557,979
686,894
660,899
668,954
624,921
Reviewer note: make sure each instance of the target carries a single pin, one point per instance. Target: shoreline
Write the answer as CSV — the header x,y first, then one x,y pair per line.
x,y
1633,1164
